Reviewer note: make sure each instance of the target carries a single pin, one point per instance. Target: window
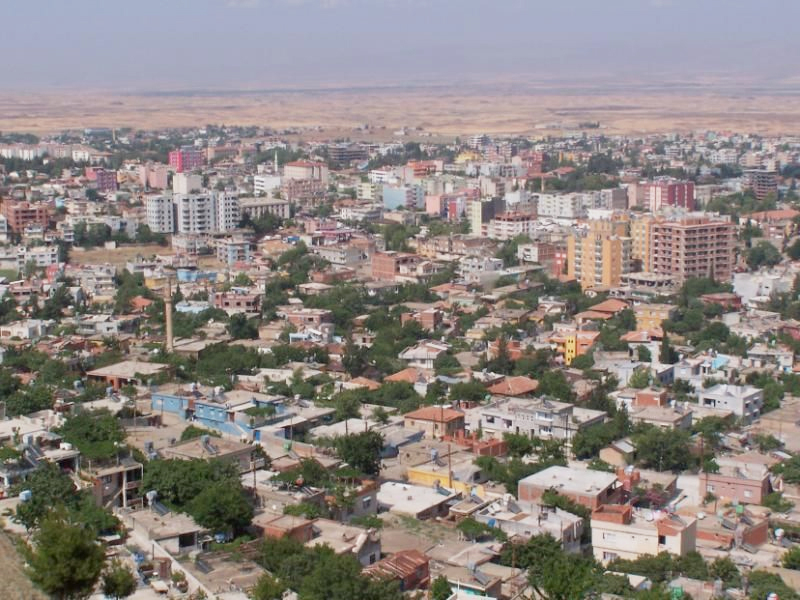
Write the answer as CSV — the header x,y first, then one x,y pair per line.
x,y
748,494
662,539
609,556
710,488
608,536
366,502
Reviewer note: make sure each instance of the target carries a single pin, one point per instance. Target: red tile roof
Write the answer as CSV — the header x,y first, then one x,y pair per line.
x,y
514,386
435,414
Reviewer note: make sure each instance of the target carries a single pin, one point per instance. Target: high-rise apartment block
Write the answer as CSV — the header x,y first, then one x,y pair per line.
x,y
207,212
160,214
693,247
601,256
762,182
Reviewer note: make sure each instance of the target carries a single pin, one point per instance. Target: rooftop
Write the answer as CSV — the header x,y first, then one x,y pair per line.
x,y
566,480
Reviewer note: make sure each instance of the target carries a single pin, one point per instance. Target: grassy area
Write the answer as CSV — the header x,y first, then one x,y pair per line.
x,y
16,585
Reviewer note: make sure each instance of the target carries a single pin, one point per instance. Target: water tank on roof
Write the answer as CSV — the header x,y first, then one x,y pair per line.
x,y
25,496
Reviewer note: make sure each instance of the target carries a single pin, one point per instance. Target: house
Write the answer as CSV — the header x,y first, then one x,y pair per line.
x,y
745,401
207,447
618,454
744,478
514,386
284,526
435,421
620,531
410,568
414,501
732,527
177,533
363,545
118,485
587,487
651,316
664,417
127,372
424,354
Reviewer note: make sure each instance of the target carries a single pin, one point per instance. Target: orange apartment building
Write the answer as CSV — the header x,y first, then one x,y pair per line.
x,y
386,265
22,214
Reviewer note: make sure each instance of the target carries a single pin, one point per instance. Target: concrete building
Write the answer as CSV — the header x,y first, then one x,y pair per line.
x,y
601,256
256,208
187,158
651,316
744,479
414,501
693,247
435,421
194,213
265,185
623,532
762,182
20,215
584,486
187,183
507,226
306,169
228,211
160,214
411,197
668,192
744,401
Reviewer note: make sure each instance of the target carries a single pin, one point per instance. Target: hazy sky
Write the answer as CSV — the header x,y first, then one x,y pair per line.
x,y
210,44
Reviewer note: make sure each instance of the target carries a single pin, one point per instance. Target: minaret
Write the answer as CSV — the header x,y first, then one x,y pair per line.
x,y
276,161
168,316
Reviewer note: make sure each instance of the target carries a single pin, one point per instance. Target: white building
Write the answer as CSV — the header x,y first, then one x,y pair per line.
x,y
43,256
195,213
563,206
745,401
186,183
266,184
257,208
159,214
228,213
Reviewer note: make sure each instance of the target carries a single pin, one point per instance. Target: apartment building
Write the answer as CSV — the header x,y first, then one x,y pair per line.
x,y
237,302
194,213
620,531
159,214
306,169
693,247
507,226
105,180
257,208
386,265
600,256
20,215
668,192
187,158
303,190
569,342
762,182
228,211
742,479
566,207
406,196
651,316
265,185
641,241
361,212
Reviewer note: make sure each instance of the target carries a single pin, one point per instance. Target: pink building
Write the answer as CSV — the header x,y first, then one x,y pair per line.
x,y
186,159
669,192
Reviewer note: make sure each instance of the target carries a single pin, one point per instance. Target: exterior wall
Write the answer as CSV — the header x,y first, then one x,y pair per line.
x,y
744,491
694,248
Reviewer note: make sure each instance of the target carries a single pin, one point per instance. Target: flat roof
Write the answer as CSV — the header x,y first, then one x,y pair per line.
x,y
128,369
571,481
216,448
408,499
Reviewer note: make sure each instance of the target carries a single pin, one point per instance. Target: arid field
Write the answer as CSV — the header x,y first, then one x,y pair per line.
x,y
446,110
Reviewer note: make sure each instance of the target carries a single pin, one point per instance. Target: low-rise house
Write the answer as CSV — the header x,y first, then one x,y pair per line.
x,y
732,527
435,421
744,479
619,531
206,447
584,486
364,545
118,485
177,533
410,568
127,372
424,354
664,417
414,501
745,401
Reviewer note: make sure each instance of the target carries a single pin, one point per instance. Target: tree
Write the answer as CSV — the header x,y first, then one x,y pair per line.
x,y
440,588
361,451
556,575
268,588
242,328
793,251
554,383
347,405
501,363
49,487
640,378
662,449
791,560
643,354
97,434
222,507
118,581
726,570
763,254
64,559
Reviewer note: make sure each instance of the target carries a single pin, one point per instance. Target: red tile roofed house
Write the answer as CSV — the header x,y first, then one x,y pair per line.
x,y
774,223
363,382
513,347
727,300
435,421
610,306
409,567
514,386
410,375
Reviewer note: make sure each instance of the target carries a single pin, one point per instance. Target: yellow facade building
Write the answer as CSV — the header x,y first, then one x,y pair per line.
x,y
602,256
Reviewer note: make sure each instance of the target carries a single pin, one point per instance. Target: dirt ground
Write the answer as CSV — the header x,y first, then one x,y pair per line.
x,y
117,257
16,585
519,106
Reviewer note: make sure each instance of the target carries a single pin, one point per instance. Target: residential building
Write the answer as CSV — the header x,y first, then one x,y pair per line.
x,y
424,353
668,192
386,265
237,302
160,214
620,531
742,479
410,568
118,485
233,250
257,208
693,247
744,401
105,180
306,169
435,421
651,316
406,196
600,257
187,183
507,226
228,211
194,213
186,158
584,486
20,215
266,185
762,182
569,342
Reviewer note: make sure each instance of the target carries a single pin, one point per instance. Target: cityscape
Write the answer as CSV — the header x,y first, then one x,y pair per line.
x,y
333,336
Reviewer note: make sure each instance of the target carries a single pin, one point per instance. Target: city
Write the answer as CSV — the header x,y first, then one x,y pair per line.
x,y
387,360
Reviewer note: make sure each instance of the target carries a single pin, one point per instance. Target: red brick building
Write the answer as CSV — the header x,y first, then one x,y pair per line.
x,y
22,214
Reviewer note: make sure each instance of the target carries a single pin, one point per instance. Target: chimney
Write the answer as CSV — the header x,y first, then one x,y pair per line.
x,y
168,315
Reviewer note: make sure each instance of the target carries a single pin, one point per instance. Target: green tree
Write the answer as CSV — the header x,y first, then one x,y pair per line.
x,y
763,254
222,507
643,354
791,560
49,487
441,589
64,560
97,434
268,588
640,378
556,575
554,383
242,328
663,450
118,581
361,451
726,570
